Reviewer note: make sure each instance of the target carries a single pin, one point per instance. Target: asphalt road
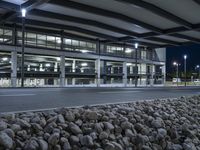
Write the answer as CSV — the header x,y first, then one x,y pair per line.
x,y
12,100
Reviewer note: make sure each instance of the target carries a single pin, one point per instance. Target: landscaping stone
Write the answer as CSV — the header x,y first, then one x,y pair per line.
x,y
171,124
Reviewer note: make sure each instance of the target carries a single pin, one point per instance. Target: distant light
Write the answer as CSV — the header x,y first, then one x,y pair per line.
x,y
128,50
197,66
128,64
174,63
58,58
23,11
58,41
136,45
5,59
84,51
84,64
185,56
47,65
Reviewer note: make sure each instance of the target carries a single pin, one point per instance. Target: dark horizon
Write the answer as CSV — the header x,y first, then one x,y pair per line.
x,y
177,54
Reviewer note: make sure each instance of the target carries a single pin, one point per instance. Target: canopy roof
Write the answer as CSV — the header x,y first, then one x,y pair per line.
x,y
155,23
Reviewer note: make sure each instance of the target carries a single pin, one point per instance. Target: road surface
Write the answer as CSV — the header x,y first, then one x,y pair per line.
x,y
13,100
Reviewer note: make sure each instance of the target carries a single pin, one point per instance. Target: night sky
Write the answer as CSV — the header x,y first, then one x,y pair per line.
x,y
177,53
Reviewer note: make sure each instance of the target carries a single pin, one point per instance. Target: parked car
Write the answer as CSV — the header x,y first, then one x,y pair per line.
x,y
196,80
175,80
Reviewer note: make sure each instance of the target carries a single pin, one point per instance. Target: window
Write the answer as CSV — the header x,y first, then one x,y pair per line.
x,y
75,43
58,42
51,40
31,39
68,41
7,36
82,44
41,40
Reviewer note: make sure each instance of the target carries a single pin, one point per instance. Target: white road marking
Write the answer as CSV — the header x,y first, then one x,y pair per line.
x,y
110,92
11,95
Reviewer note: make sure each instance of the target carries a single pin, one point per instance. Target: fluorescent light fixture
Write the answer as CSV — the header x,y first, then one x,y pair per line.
x,y
58,58
128,64
23,11
136,45
84,51
58,41
128,50
5,59
84,64
47,65
185,56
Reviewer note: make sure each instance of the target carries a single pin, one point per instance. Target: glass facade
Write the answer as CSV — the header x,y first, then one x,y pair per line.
x,y
6,36
45,70
55,42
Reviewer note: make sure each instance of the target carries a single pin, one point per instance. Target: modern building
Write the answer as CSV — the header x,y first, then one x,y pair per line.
x,y
89,43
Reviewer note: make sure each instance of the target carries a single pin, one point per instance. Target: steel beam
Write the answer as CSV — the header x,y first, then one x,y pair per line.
x,y
158,11
103,12
66,27
68,18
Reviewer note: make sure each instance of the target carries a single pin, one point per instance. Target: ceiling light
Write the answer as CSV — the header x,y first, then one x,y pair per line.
x,y
128,64
23,11
4,58
58,58
84,64
84,51
47,65
128,50
136,45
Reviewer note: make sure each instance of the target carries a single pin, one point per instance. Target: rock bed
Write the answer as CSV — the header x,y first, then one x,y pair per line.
x,y
153,125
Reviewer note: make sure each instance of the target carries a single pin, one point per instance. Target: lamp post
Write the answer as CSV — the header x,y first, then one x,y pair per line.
x,y
23,11
198,67
185,67
136,79
176,64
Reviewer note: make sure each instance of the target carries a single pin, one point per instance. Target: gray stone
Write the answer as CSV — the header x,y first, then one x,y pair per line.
x,y
129,133
189,146
126,125
117,146
31,145
109,126
36,127
43,144
61,119
103,135
91,115
98,127
54,138
158,123
24,123
74,128
9,132
74,139
86,140
69,116
57,147
5,140
109,146
15,127
3,125
161,133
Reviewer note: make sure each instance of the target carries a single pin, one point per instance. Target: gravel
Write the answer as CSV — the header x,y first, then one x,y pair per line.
x,y
171,124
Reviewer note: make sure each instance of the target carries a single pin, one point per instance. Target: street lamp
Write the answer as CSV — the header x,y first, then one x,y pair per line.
x,y
23,11
185,67
198,67
136,78
176,64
